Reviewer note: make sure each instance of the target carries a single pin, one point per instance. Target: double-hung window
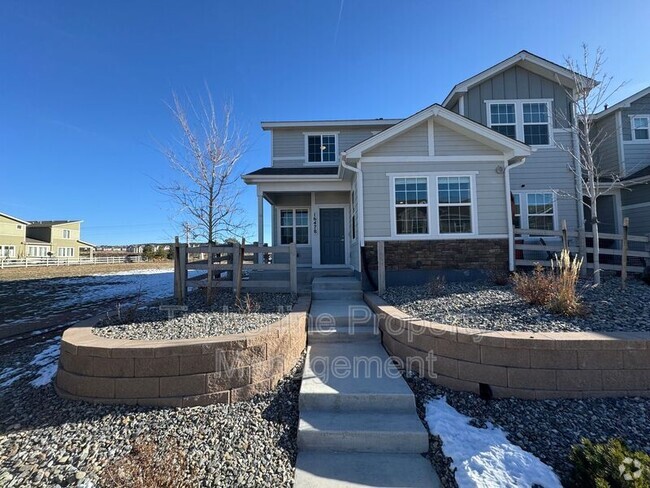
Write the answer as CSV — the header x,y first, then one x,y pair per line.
x,y
641,128
8,251
66,252
321,148
528,121
455,204
534,210
66,233
411,205
294,226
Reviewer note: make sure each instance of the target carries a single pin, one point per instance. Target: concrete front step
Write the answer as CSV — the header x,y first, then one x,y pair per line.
x,y
362,432
355,376
336,294
337,470
335,283
326,313
343,333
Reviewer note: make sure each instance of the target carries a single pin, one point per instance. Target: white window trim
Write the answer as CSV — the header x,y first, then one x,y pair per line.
x,y
336,148
523,208
434,225
65,253
633,131
279,224
519,117
395,206
63,232
11,248
37,250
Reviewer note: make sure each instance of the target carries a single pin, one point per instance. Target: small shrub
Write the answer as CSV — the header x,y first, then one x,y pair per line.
x,y
436,286
149,465
609,465
536,288
247,305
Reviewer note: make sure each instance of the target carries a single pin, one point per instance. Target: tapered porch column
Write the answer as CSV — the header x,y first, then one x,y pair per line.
x,y
260,225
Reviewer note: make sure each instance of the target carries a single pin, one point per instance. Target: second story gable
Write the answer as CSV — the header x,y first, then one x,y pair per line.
x,y
318,143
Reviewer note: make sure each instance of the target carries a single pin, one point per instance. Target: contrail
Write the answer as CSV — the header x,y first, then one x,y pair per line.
x,y
338,22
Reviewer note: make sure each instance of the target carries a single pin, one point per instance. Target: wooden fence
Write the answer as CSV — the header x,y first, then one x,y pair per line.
x,y
70,261
230,266
618,252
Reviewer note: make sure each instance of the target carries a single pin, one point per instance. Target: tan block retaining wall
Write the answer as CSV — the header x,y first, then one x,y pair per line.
x,y
185,372
518,364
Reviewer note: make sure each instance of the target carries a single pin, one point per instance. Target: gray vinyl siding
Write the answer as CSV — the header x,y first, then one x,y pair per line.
x,y
635,195
637,157
414,142
547,170
490,193
333,197
454,108
517,83
639,107
607,214
640,216
447,142
290,143
607,153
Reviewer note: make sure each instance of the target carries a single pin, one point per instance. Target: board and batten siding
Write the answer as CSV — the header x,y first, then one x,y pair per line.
x,y
290,143
547,169
517,83
490,190
607,153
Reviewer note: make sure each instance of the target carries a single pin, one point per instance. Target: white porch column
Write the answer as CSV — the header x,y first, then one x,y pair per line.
x,y
260,225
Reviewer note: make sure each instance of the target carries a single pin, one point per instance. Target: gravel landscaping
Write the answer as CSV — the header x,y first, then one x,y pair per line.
x,y
48,441
484,305
546,428
222,317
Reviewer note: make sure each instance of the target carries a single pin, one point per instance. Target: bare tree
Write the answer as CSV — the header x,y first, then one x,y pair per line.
x,y
592,92
205,158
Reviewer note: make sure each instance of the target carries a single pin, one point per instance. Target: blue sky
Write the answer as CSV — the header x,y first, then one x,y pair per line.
x,y
83,85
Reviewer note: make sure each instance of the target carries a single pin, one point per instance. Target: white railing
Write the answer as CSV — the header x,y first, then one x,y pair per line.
x,y
6,262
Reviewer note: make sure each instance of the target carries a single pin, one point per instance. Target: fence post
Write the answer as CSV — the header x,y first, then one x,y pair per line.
x,y
183,268
582,249
177,272
238,272
565,239
293,268
381,267
626,223
210,278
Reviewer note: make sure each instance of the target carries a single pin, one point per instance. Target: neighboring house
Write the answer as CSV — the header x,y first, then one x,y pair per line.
x,y
625,155
12,236
442,187
58,238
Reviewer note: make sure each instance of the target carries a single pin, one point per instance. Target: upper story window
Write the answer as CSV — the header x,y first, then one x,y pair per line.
x,y
66,234
525,120
321,148
640,127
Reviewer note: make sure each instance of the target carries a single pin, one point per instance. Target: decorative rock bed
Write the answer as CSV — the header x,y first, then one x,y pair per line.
x,y
181,372
526,365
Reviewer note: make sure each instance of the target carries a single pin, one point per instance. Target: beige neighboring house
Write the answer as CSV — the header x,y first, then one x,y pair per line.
x,y
12,236
57,238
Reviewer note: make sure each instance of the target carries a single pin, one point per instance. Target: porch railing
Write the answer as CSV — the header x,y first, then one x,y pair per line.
x,y
234,266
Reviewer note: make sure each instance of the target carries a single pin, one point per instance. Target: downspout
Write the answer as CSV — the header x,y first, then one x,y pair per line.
x,y
511,237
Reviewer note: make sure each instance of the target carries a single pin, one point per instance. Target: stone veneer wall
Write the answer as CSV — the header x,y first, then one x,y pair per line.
x,y
186,372
441,254
518,364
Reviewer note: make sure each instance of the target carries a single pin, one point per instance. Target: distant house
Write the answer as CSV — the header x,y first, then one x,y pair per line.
x,y
58,238
12,236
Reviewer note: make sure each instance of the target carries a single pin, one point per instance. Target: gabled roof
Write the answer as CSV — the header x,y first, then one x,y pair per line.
x,y
298,173
623,103
87,244
528,60
50,223
328,123
14,218
459,123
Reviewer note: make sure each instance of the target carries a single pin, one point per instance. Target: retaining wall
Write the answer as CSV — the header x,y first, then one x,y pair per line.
x,y
518,364
185,372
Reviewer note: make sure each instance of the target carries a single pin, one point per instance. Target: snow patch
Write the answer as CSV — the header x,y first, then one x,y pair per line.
x,y
46,361
485,458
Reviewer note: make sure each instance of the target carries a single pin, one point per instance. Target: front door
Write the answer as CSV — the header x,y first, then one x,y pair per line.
x,y
332,236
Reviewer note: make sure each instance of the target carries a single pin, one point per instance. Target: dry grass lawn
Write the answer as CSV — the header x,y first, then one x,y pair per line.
x,y
41,272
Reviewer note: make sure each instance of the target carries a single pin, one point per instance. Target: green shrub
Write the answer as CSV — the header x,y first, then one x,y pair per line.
x,y
610,465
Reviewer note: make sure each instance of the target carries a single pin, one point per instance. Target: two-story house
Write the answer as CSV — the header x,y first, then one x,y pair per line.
x,y
442,188
624,129
58,238
12,236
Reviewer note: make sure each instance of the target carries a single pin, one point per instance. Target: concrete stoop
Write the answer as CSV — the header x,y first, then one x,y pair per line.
x,y
358,424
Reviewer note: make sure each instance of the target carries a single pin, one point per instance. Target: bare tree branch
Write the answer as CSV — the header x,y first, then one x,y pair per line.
x,y
205,158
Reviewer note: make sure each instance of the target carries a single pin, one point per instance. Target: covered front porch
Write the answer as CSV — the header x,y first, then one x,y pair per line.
x,y
321,222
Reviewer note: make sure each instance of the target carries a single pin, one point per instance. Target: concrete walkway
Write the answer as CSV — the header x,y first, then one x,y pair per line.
x,y
358,423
